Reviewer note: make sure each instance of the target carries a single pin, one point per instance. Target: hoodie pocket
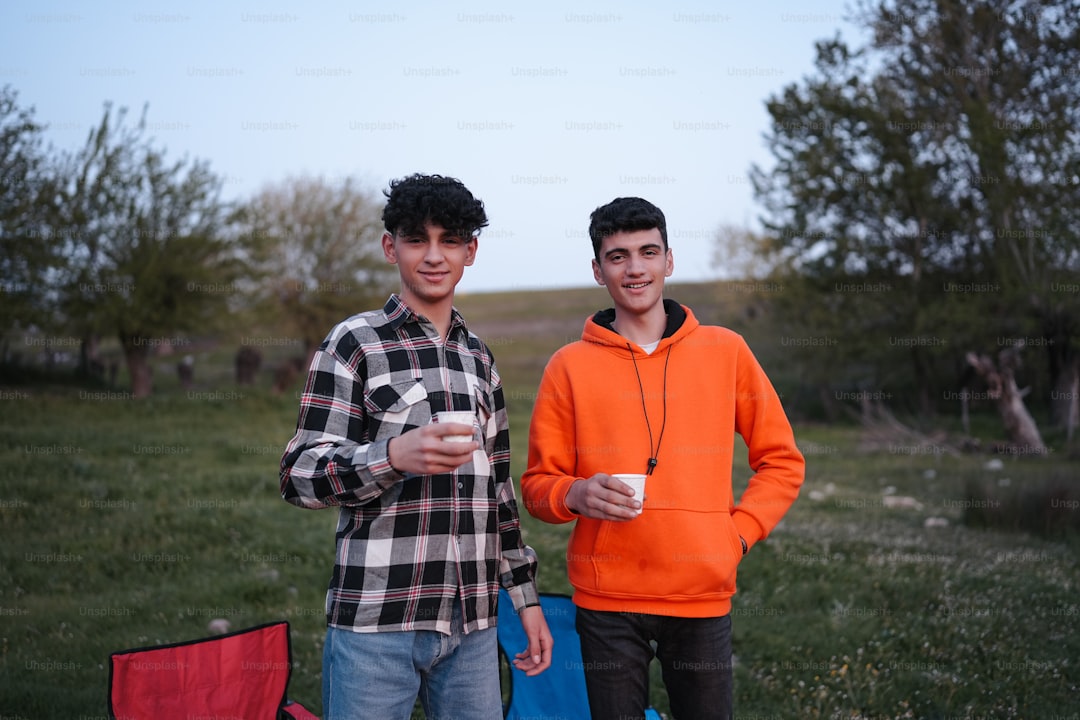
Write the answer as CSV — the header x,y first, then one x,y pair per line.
x,y
665,556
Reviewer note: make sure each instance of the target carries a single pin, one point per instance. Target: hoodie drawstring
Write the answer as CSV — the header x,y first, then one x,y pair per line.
x,y
641,388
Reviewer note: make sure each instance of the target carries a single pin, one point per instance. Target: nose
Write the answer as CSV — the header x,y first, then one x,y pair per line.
x,y
434,254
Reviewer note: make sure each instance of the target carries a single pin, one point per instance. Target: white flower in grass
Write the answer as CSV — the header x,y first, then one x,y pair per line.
x,y
902,502
219,626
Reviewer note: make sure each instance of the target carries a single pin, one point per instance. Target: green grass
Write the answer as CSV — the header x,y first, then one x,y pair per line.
x,y
136,523
854,608
128,524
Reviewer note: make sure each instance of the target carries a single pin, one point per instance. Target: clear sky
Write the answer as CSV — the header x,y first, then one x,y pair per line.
x,y
545,110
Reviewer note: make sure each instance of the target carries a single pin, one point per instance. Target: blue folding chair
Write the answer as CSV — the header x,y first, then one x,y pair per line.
x,y
559,691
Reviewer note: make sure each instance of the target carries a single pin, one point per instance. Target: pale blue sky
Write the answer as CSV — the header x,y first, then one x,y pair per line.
x,y
545,110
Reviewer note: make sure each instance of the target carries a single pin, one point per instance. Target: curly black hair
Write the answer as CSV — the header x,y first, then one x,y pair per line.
x,y
625,214
418,199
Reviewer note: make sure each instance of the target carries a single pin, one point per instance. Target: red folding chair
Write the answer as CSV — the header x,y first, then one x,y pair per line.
x,y
244,674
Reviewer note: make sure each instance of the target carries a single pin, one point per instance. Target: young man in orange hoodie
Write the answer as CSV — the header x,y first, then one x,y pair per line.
x,y
650,390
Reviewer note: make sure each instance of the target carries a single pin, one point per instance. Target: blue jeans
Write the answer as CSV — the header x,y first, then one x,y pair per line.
x,y
380,675
694,655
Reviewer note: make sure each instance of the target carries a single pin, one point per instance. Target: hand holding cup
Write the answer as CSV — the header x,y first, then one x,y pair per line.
x,y
637,482
457,418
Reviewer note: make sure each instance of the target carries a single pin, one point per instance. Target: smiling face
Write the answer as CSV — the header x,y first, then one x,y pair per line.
x,y
632,266
430,263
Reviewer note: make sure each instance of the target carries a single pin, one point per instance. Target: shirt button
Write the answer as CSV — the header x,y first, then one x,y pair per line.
x,y
460,485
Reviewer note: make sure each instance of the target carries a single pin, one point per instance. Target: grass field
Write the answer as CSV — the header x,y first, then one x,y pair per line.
x,y
131,523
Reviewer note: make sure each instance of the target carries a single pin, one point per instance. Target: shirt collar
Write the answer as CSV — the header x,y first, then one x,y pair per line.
x,y
398,313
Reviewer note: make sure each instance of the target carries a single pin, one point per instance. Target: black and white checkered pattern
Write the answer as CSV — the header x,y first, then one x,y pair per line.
x,y
407,546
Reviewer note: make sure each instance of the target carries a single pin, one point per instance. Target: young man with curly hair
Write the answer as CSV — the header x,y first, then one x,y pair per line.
x,y
649,390
428,528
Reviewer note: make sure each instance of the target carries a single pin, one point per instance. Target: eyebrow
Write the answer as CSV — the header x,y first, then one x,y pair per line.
x,y
647,246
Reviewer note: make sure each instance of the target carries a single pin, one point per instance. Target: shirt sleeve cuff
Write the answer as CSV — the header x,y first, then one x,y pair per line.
x,y
524,596
378,462
562,511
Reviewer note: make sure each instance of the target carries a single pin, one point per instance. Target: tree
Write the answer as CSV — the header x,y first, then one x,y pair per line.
x,y
145,241
942,164
1001,381
1011,92
25,257
318,255
739,253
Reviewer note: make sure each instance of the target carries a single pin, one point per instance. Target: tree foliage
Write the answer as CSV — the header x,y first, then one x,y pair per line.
x,y
144,240
926,188
317,255
114,238
25,258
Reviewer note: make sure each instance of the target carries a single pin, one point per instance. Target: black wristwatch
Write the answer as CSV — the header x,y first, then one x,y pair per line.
x,y
743,541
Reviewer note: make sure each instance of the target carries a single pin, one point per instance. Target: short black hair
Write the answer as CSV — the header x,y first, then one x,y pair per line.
x,y
418,199
625,214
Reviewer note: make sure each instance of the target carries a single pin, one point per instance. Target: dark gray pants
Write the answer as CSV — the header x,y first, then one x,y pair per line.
x,y
694,655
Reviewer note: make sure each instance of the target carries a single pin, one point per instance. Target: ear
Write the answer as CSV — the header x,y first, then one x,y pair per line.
x,y
388,248
596,273
669,267
470,250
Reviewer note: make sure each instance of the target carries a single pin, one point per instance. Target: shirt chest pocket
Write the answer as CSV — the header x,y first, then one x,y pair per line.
x,y
484,408
395,407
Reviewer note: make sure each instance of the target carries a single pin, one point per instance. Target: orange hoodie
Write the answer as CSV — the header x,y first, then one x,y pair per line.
x,y
680,555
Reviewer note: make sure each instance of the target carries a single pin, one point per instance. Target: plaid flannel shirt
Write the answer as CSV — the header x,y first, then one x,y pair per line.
x,y
408,545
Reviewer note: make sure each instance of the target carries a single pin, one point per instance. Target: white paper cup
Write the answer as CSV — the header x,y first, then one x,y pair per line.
x,y
461,417
637,482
